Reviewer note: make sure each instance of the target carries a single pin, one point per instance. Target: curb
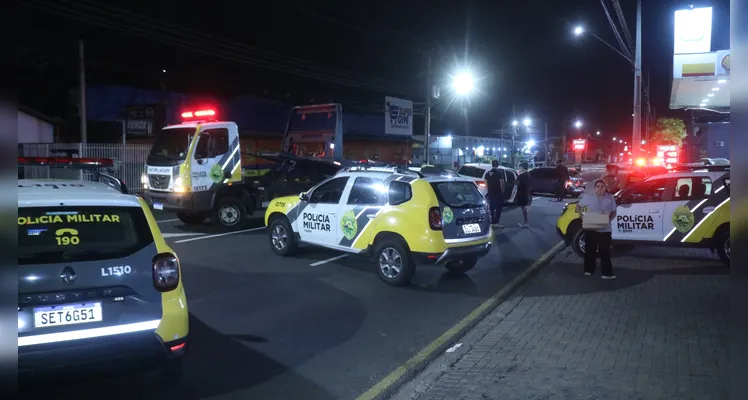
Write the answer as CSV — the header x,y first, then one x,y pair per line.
x,y
404,373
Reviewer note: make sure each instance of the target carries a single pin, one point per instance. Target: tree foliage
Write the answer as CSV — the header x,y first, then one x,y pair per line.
x,y
670,131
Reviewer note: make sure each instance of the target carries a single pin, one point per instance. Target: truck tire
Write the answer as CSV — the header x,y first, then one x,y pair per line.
x,y
389,255
191,219
281,236
230,213
461,266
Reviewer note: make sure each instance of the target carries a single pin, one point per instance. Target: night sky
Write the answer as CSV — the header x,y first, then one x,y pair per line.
x,y
524,53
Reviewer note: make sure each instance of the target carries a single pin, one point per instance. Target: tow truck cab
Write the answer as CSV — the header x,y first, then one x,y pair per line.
x,y
194,169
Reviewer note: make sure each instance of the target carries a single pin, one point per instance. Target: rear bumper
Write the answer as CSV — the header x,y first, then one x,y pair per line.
x,y
127,350
452,254
191,202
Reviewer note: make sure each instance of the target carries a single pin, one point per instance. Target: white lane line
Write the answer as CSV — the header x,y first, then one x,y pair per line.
x,y
328,260
219,235
167,220
173,235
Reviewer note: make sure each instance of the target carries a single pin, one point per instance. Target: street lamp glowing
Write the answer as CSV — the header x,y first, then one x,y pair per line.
x,y
578,124
578,30
463,83
598,133
515,123
527,122
530,143
614,139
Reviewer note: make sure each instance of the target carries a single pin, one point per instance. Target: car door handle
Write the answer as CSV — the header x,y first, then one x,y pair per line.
x,y
654,211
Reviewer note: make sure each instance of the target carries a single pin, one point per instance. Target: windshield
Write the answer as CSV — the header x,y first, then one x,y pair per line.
x,y
458,194
49,235
172,144
473,172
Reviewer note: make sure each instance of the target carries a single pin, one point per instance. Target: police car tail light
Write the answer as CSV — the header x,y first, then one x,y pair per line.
x,y
165,272
435,218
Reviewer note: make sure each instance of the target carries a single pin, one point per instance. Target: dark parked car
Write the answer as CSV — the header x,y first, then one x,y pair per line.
x,y
543,180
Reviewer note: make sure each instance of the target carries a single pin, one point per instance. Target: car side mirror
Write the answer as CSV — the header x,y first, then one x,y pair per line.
x,y
304,197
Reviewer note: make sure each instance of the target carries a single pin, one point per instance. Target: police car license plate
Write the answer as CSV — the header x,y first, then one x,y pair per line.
x,y
471,228
67,314
158,206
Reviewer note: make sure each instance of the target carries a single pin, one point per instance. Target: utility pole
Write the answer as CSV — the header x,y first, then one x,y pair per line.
x,y
545,158
427,122
82,89
637,134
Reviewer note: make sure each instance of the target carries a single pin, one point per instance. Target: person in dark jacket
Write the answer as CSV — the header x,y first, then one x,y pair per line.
x,y
524,192
562,176
495,182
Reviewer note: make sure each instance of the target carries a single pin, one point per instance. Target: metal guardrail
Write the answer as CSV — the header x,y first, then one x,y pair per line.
x,y
129,160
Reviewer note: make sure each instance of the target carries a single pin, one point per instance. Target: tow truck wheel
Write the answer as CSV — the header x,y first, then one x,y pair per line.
x,y
171,373
282,239
394,265
578,241
230,213
723,246
191,219
461,266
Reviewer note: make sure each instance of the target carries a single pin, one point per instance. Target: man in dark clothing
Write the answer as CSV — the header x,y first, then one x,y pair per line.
x,y
562,176
495,183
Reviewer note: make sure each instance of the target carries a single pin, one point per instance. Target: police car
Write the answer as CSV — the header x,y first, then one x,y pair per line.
x,y
97,283
685,208
399,218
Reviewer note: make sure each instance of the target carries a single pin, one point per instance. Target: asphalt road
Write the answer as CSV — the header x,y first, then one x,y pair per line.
x,y
312,326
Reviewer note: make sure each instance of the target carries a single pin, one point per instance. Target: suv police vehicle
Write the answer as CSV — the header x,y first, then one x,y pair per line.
x,y
685,208
97,283
397,217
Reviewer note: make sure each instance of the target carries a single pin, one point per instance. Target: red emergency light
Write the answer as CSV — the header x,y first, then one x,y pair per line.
x,y
578,144
64,161
198,114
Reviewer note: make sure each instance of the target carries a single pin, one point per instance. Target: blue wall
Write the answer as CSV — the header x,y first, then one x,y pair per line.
x,y
710,135
106,103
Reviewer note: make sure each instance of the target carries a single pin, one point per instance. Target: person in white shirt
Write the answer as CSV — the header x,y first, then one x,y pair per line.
x,y
597,241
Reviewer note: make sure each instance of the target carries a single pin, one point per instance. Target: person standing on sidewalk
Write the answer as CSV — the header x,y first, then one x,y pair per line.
x,y
495,182
597,242
524,192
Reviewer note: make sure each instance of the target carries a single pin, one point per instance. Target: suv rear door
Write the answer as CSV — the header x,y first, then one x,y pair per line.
x,y
83,267
464,214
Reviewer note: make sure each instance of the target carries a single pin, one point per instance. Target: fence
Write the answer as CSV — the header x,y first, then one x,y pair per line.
x,y
129,160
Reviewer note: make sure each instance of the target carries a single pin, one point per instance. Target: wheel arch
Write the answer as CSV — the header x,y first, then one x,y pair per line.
x,y
388,235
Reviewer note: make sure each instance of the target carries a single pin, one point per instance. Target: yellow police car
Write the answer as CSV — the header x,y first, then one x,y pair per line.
x,y
97,283
399,218
683,208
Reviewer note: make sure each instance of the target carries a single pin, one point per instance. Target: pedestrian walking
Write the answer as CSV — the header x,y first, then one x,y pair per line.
x,y
562,176
597,241
524,192
495,182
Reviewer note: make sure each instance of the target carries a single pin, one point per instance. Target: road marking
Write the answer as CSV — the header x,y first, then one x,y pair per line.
x,y
173,235
219,235
436,347
328,260
167,220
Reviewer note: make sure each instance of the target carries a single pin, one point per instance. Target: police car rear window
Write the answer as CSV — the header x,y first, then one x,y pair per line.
x,y
69,234
458,194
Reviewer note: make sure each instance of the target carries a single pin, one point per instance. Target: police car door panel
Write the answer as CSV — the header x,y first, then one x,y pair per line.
x,y
213,159
683,213
639,216
319,217
200,165
363,201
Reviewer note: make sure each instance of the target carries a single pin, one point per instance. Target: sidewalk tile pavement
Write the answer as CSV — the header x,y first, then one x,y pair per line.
x,y
657,332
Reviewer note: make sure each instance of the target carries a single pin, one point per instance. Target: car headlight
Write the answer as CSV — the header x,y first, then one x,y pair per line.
x,y
178,184
144,179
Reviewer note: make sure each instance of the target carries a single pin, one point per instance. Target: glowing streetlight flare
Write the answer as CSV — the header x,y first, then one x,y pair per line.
x,y
463,83
515,123
578,124
578,30
530,143
598,133
527,122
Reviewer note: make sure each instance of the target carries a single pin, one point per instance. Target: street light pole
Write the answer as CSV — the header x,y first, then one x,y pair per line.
x,y
637,136
427,125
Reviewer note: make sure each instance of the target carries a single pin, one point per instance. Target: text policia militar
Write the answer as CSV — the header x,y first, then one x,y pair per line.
x,y
630,223
317,222
70,218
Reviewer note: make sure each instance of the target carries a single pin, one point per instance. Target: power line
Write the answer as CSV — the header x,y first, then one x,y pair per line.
x,y
220,48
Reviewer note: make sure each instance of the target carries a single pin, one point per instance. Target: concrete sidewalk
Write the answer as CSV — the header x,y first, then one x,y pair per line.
x,y
657,332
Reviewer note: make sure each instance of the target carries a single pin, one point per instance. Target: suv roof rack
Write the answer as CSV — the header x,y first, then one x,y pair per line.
x,y
95,164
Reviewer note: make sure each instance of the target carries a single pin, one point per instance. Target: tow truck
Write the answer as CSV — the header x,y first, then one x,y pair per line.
x,y
195,167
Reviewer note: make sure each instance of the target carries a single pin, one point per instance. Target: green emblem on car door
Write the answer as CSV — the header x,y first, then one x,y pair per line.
x,y
349,225
683,219
216,173
448,215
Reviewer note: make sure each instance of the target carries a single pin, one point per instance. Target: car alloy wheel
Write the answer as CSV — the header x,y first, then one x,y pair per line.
x,y
390,263
279,237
